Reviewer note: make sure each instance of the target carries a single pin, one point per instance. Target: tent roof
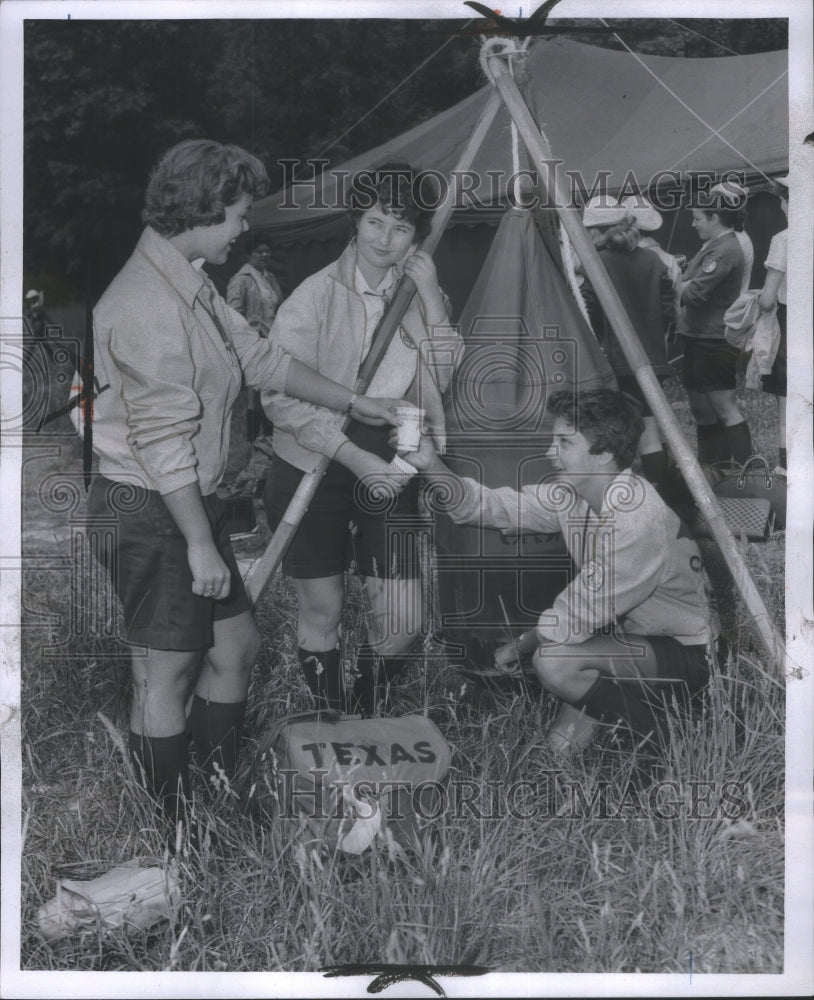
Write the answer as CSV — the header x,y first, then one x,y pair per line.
x,y
601,110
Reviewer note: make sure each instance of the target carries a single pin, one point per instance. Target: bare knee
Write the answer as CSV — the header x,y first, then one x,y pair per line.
x,y
320,611
237,642
567,677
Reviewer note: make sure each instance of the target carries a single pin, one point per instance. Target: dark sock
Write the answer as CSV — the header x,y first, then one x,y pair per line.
x,y
654,466
375,674
217,728
707,435
637,707
162,762
783,459
323,675
739,442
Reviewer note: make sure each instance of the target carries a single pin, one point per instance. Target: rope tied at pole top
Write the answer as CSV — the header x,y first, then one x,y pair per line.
x,y
515,54
509,49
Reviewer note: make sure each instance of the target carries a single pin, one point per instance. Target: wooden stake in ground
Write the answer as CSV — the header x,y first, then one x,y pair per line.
x,y
540,152
385,331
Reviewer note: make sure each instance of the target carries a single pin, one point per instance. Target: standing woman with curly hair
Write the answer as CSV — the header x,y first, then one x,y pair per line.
x,y
169,353
647,293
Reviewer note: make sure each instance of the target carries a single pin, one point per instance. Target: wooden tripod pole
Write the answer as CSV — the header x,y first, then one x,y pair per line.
x,y
385,331
636,357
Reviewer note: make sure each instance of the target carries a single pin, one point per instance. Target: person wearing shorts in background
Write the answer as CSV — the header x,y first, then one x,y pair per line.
x,y
711,283
329,321
633,631
773,295
170,354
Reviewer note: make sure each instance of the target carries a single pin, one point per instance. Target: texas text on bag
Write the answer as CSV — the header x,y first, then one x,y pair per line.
x,y
346,782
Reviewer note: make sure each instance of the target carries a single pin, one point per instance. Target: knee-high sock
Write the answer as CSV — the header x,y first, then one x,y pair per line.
x,y
738,442
217,728
163,761
707,435
323,675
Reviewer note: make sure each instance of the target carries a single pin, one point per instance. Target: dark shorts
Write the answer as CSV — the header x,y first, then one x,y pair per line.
x,y
344,529
135,537
630,387
776,380
645,707
709,365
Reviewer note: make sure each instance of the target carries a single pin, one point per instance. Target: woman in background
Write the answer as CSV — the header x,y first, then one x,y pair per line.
x,y
643,284
711,283
773,294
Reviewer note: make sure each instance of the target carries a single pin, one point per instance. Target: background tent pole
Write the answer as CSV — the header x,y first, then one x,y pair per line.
x,y
594,268
385,331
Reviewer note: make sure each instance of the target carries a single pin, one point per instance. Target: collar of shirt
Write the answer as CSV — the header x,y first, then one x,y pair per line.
x,y
375,300
186,278
715,239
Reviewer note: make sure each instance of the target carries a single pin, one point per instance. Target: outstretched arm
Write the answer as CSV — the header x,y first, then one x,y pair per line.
x,y
307,383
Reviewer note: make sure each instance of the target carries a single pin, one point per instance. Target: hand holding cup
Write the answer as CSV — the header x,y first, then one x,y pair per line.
x,y
408,432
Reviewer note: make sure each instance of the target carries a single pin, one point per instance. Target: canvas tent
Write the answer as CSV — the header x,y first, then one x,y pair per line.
x,y
635,133
605,115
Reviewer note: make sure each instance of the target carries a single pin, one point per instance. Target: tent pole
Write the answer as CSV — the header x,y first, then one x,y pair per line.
x,y
267,565
634,352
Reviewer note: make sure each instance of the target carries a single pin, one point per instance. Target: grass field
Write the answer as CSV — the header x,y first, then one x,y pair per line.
x,y
618,869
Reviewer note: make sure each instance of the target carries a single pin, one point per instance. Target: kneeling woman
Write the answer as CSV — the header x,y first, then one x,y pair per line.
x,y
328,322
169,353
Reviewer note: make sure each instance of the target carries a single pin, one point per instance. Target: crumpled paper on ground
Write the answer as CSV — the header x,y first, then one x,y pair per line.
x,y
128,897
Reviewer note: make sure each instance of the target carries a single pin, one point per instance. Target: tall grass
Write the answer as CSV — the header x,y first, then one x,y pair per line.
x,y
629,865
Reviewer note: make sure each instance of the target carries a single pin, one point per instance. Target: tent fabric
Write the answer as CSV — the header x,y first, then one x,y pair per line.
x,y
602,111
525,338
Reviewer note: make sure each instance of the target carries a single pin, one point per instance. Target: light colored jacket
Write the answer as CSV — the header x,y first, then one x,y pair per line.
x,y
256,296
322,323
167,377
639,568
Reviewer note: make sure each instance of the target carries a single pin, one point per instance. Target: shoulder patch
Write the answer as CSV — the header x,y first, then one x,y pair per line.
x,y
593,573
709,265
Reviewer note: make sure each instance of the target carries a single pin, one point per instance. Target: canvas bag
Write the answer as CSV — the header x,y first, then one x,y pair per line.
x,y
344,782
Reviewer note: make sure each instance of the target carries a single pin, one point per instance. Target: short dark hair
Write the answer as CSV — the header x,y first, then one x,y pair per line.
x,y
606,418
194,183
398,188
732,218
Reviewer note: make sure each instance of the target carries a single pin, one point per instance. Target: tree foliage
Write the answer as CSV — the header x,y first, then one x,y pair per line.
x,y
103,99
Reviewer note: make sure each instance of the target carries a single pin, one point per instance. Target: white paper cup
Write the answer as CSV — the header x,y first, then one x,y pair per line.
x,y
409,429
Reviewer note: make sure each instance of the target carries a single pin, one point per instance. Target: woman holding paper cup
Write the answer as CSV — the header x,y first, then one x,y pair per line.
x,y
329,322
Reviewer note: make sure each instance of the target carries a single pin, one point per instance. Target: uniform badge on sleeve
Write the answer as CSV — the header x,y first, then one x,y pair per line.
x,y
709,265
593,573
